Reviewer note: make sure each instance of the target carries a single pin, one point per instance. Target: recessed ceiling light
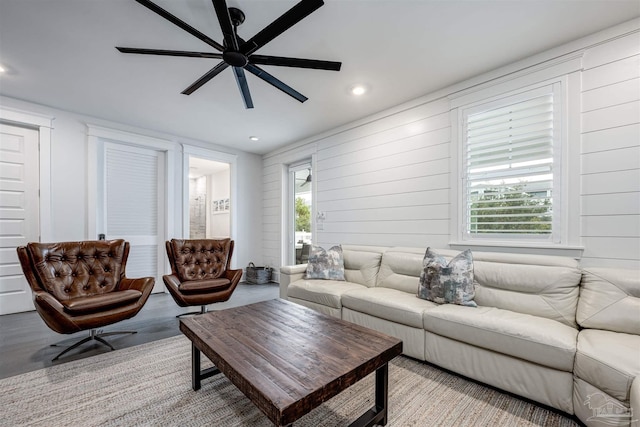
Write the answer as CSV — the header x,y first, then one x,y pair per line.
x,y
2,69
358,89
254,138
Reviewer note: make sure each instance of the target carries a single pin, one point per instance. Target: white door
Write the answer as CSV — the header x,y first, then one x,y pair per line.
x,y
133,190
19,217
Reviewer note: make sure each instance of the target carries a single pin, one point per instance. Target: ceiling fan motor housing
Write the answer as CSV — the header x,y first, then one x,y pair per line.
x,y
235,59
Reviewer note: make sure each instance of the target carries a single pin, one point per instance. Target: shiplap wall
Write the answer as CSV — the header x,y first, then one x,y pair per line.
x,y
610,159
386,180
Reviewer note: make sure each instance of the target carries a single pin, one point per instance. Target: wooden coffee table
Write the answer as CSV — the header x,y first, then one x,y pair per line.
x,y
288,359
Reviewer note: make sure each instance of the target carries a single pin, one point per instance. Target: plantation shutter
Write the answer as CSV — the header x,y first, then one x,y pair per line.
x,y
132,205
509,166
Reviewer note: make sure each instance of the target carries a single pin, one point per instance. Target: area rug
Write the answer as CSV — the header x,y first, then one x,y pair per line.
x,y
150,385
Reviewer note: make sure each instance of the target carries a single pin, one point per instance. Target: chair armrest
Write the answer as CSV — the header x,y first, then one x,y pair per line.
x,y
234,276
140,284
52,312
45,299
289,274
171,280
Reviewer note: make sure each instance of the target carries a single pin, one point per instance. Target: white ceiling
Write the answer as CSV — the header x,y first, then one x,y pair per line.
x,y
61,53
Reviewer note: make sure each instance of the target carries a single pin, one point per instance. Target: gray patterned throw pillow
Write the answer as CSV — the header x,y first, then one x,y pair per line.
x,y
323,264
443,282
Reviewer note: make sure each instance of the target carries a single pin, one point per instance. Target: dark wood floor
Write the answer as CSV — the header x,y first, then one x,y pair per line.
x,y
25,341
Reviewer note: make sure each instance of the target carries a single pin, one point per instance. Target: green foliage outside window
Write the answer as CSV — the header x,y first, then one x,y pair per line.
x,y
510,210
303,215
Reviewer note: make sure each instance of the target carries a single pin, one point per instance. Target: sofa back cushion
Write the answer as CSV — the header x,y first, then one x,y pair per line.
x,y
540,285
610,299
400,269
362,263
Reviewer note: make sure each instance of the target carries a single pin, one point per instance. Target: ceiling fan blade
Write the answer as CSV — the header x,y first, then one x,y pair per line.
x,y
280,25
295,62
225,23
205,78
180,23
169,52
243,86
259,72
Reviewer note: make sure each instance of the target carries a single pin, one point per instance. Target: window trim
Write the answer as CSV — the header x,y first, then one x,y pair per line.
x,y
567,157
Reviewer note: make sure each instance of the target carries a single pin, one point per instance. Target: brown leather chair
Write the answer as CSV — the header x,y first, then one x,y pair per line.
x,y
200,272
82,285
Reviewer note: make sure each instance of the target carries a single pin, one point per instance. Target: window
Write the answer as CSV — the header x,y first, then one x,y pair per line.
x,y
511,167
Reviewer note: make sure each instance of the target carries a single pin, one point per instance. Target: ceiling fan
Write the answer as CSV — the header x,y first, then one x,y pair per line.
x,y
238,53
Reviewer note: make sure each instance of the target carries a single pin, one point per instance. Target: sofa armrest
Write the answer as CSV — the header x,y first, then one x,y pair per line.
x,y
289,274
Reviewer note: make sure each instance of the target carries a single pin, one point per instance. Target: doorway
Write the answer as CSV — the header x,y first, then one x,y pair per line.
x,y
19,212
301,207
209,199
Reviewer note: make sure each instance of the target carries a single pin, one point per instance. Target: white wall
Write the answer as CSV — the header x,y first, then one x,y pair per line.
x,y
69,176
610,154
387,179
219,223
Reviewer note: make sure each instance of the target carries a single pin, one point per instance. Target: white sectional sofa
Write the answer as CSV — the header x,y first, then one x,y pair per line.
x,y
544,329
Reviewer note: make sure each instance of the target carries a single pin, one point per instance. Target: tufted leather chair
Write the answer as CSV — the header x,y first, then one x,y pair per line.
x,y
200,272
82,286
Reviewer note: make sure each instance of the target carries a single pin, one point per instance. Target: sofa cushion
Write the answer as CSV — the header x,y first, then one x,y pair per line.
x,y
324,292
610,299
447,282
389,304
540,285
535,339
608,360
362,263
400,269
325,264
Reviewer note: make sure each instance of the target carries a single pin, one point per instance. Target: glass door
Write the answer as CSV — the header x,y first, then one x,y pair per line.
x,y
300,179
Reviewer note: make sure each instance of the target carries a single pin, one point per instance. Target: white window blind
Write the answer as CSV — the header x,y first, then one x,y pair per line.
x,y
510,167
132,204
132,191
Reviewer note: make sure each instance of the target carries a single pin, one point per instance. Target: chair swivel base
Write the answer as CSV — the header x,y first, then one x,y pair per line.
x,y
93,336
203,309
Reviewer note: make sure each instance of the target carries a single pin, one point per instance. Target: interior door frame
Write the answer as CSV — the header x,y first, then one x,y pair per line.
x,y
97,137
44,125
216,156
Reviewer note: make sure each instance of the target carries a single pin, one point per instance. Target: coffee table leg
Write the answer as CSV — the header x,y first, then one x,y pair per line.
x,y
378,414
195,367
382,392
196,374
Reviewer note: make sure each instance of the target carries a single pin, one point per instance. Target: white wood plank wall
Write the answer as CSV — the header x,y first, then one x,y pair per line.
x,y
610,154
386,180
387,183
